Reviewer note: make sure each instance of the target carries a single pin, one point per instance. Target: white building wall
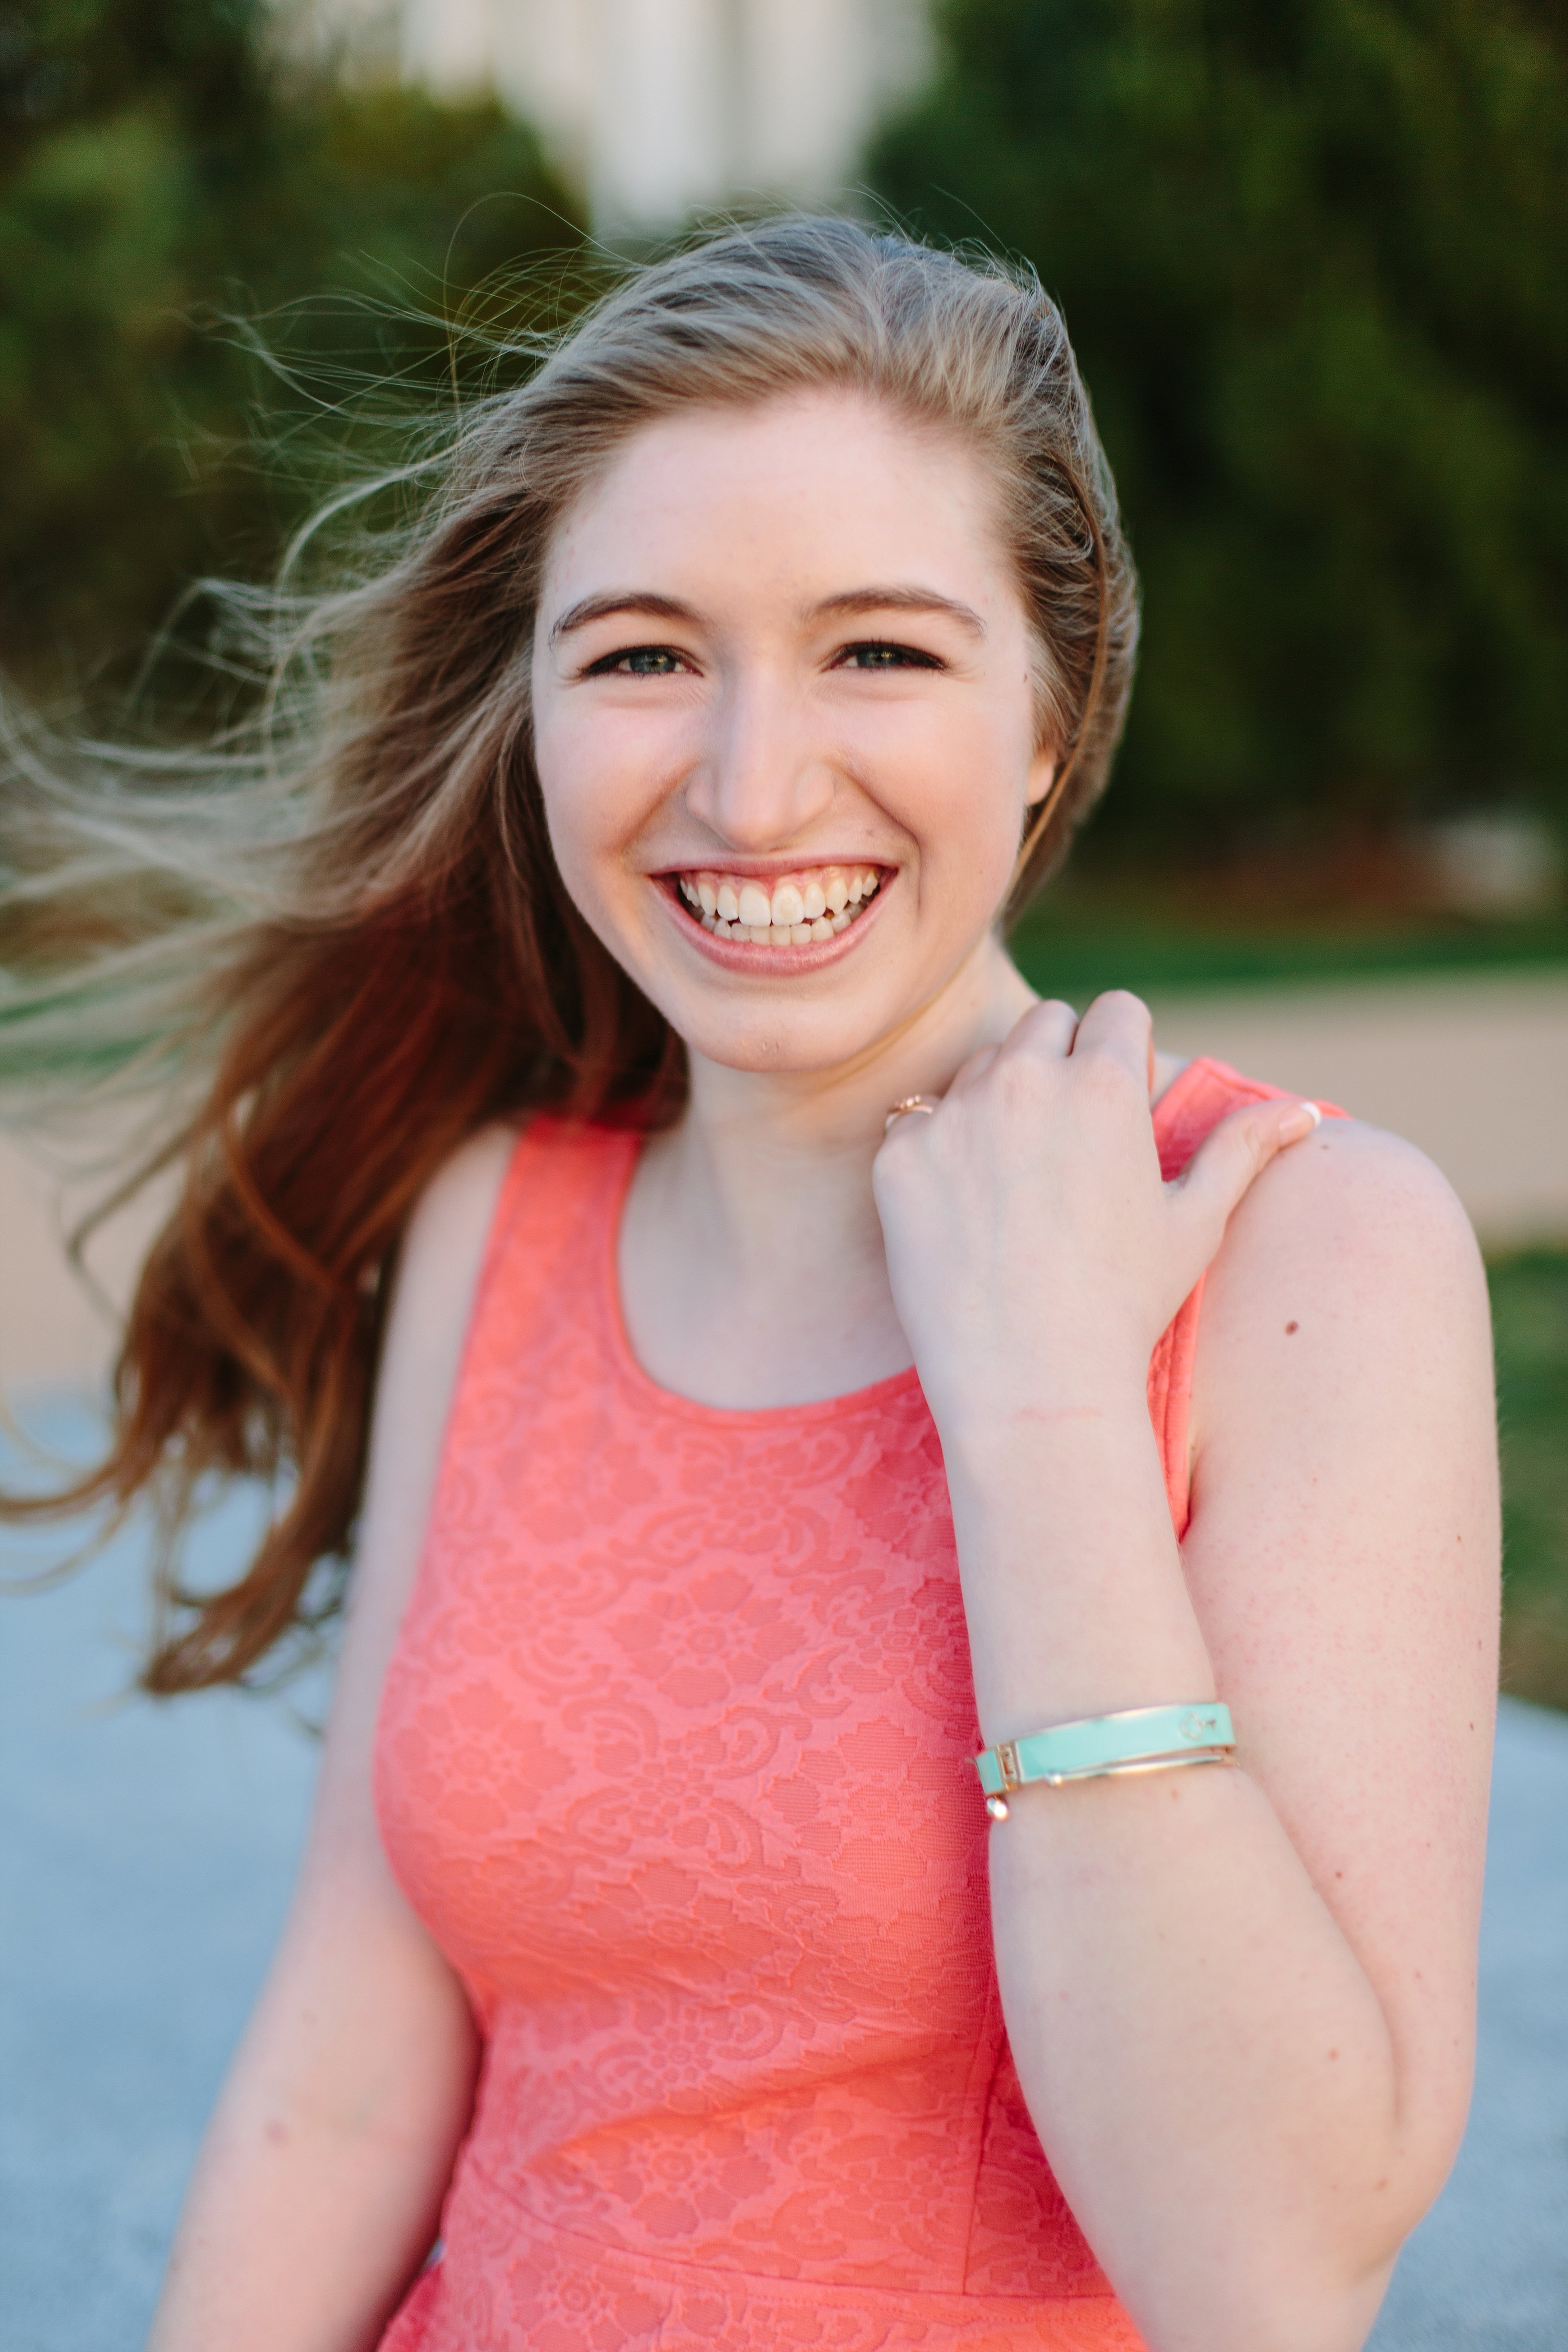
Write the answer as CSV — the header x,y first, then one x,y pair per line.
x,y
657,108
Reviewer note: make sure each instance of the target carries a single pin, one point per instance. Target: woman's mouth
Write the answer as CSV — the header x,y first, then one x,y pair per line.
x,y
788,910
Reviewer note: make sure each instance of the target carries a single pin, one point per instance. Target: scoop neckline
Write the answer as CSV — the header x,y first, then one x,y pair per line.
x,y
669,1401
632,1374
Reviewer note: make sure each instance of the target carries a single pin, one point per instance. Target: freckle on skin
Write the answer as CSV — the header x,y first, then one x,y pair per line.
x,y
1291,1327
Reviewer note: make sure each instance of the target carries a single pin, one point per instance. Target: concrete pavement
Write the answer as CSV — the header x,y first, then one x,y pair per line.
x,y
1473,1066
145,1855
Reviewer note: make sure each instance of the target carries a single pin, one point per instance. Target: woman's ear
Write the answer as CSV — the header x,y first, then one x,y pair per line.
x,y
1042,775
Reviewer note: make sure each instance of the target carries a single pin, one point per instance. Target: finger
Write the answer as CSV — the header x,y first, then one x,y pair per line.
x,y
1229,1161
1119,1025
1046,1030
970,1072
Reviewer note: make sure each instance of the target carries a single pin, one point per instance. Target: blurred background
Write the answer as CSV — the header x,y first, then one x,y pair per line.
x,y
1311,254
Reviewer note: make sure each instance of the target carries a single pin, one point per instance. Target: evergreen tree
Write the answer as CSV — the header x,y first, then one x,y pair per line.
x,y
161,165
1312,253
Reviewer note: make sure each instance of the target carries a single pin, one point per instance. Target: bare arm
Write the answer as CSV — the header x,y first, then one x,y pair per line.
x,y
316,2195
1241,2001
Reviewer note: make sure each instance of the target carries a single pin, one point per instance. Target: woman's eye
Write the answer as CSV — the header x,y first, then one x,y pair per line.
x,y
881,656
637,661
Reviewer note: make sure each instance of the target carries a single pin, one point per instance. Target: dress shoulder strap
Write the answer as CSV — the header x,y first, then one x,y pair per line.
x,y
552,1220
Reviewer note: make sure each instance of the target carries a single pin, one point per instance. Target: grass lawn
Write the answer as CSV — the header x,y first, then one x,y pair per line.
x,y
1094,930
1530,1311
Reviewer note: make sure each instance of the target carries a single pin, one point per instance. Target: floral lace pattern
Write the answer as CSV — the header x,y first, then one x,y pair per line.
x,y
675,1760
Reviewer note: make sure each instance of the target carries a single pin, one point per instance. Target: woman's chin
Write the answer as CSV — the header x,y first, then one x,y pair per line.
x,y
792,1048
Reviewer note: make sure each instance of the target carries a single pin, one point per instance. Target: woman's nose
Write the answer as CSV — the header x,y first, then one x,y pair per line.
x,y
761,777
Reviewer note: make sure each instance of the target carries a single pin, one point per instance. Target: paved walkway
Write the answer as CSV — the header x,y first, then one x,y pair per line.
x,y
145,1855
1472,1068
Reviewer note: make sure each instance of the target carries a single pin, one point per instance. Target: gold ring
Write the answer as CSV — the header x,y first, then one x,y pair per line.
x,y
901,1109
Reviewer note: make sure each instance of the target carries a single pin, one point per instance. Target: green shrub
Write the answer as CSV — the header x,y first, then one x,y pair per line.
x,y
1311,252
162,168
1530,1311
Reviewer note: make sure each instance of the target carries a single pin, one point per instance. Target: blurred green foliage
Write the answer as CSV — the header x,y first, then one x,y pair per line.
x,y
1530,1314
1311,254
162,169
1108,924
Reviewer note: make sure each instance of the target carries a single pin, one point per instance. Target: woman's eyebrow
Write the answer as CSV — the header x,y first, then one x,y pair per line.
x,y
901,599
598,608
853,600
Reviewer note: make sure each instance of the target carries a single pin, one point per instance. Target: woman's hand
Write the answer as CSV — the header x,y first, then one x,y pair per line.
x,y
1036,1254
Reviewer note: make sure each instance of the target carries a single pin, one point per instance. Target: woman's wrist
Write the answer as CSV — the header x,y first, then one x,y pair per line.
x,y
1076,1600
1015,1430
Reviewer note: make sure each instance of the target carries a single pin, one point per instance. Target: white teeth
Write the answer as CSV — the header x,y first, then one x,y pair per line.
x,y
792,914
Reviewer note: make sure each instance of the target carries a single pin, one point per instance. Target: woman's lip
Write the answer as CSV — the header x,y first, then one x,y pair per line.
x,y
747,869
773,963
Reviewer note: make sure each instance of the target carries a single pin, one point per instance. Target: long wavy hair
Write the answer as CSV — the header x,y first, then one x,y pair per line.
x,y
331,944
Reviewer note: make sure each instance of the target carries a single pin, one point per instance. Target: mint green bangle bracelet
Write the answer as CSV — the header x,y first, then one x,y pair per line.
x,y
1139,1739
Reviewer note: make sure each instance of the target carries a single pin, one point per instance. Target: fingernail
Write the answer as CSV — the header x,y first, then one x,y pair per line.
x,y
1300,1120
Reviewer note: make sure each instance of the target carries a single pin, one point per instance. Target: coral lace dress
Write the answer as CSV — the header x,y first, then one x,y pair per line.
x,y
675,1760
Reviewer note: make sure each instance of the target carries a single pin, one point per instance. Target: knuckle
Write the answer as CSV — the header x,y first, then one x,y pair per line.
x,y
1126,1007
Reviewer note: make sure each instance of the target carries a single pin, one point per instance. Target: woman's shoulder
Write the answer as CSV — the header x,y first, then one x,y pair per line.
x,y
1352,1199
438,1277
1348,1270
433,1293
452,1215
1350,1187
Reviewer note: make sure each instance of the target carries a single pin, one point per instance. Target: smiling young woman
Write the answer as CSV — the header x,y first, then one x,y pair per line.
x,y
810,1360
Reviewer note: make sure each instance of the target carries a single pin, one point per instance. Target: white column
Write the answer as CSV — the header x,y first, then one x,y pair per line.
x,y
665,100
817,73
657,108
449,45
546,67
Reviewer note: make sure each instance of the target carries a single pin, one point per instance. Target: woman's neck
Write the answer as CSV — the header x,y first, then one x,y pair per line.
x,y
751,1257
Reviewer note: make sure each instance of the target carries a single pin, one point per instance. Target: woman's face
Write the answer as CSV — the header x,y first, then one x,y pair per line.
x,y
785,721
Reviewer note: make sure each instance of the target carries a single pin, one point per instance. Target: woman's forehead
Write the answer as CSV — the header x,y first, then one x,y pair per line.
x,y
825,487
